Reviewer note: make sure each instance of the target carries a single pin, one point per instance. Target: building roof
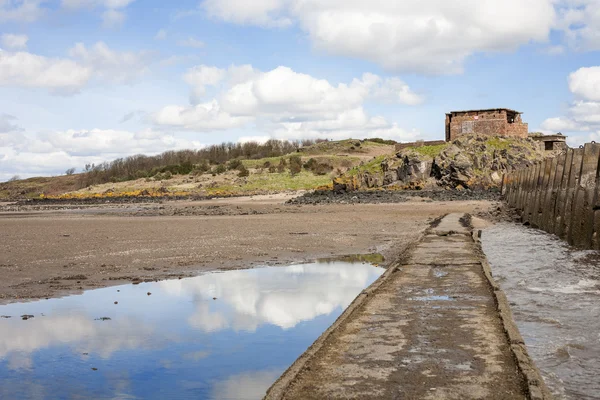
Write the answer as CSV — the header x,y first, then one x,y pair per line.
x,y
486,109
559,137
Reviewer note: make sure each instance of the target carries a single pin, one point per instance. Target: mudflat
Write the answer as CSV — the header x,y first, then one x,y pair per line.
x,y
52,251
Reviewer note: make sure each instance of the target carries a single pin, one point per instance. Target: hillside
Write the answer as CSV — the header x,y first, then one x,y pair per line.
x,y
222,170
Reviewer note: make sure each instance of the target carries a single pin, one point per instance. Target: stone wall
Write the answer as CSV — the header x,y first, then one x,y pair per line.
x,y
561,195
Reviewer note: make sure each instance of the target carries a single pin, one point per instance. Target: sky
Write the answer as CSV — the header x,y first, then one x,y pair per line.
x,y
87,81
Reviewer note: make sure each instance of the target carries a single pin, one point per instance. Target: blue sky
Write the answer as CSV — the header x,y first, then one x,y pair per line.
x,y
92,80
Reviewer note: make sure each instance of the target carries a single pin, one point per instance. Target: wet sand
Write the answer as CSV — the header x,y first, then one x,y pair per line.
x,y
52,251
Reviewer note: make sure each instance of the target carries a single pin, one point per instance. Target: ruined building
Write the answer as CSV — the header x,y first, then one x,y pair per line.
x,y
556,142
493,122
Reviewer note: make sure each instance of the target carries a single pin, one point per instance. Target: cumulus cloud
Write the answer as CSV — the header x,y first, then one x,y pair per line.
x,y
24,69
68,75
585,83
287,104
580,22
113,14
47,153
21,10
582,119
112,65
201,117
257,12
434,36
12,41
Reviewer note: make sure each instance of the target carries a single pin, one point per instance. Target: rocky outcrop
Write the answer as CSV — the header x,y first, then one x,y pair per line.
x,y
467,162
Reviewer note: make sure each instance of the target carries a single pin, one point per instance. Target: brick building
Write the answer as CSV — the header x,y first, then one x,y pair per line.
x,y
493,122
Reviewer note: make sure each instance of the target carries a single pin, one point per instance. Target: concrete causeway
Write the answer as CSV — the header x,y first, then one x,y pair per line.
x,y
435,326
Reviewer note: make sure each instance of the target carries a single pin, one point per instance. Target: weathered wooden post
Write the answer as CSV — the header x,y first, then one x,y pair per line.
x,y
570,193
582,221
548,199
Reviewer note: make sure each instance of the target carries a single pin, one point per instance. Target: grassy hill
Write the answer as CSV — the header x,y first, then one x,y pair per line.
x,y
209,172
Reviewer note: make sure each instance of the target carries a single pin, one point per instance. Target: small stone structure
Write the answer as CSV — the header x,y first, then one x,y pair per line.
x,y
491,122
551,142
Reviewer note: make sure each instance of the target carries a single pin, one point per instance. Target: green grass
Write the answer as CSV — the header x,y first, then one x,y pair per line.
x,y
260,162
277,182
373,166
431,151
346,146
334,160
498,143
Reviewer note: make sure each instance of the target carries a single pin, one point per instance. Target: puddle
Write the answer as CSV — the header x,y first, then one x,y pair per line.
x,y
224,335
554,293
432,298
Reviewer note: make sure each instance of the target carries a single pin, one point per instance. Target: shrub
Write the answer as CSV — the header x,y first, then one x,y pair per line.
x,y
235,164
243,171
322,169
310,164
295,165
272,169
281,166
219,169
70,171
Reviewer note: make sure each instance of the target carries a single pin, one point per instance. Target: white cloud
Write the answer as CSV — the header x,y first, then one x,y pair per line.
x,y
53,152
113,14
287,104
21,10
256,12
582,119
257,139
191,42
113,18
201,117
7,124
201,76
68,76
24,69
12,41
559,124
112,65
580,21
585,83
434,36
161,35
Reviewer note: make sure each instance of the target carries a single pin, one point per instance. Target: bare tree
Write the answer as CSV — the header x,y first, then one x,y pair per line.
x,y
70,171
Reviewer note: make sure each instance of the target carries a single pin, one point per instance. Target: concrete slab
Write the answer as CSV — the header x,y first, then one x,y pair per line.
x,y
430,331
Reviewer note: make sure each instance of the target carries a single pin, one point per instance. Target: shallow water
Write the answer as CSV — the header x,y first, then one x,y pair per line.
x,y
226,335
554,292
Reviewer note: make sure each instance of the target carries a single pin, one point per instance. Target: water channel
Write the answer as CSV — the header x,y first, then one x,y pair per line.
x,y
225,335
554,292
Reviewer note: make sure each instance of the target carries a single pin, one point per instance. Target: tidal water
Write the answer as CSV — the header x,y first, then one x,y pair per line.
x,y
554,291
225,335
